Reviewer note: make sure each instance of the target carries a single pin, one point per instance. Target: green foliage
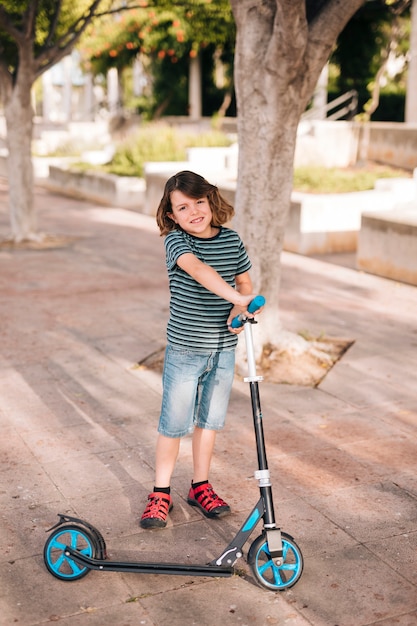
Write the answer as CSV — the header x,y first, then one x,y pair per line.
x,y
157,142
8,47
45,26
148,144
165,35
391,106
158,33
358,47
341,180
50,33
379,29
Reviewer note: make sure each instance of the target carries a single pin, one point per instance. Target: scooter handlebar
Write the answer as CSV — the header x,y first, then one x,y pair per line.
x,y
253,306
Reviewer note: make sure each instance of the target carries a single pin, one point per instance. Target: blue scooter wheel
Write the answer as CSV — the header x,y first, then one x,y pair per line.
x,y
57,562
267,572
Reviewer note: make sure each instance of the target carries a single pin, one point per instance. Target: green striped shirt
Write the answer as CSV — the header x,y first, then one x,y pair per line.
x,y
198,317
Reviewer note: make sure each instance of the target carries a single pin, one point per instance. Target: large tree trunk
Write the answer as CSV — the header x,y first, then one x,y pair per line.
x,y
270,103
19,122
278,59
59,32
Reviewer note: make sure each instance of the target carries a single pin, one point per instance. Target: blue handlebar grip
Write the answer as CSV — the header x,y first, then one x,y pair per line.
x,y
254,305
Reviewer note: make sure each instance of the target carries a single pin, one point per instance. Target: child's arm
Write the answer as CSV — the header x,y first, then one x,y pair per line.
x,y
244,287
211,280
244,283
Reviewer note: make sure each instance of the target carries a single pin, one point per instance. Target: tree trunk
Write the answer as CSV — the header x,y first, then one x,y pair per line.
x,y
194,89
270,102
278,59
19,123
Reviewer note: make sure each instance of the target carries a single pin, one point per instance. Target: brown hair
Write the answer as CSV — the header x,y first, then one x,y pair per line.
x,y
194,186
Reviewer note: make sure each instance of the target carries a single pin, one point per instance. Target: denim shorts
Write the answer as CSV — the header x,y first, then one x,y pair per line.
x,y
196,390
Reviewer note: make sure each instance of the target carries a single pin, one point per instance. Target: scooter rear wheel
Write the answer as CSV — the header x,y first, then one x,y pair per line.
x,y
266,571
57,562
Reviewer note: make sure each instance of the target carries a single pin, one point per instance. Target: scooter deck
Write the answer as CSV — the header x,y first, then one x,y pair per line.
x,y
148,568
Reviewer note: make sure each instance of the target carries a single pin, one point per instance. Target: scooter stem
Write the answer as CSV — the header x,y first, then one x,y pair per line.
x,y
262,475
250,354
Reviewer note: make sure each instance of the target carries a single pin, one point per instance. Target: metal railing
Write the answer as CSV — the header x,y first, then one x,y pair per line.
x,y
346,104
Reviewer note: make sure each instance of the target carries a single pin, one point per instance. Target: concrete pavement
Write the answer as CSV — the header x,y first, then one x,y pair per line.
x,y
78,428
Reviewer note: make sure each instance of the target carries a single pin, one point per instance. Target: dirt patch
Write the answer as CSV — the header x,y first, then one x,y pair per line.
x,y
306,369
153,362
46,242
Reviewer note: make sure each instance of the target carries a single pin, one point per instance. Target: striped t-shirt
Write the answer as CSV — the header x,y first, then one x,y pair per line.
x,y
198,317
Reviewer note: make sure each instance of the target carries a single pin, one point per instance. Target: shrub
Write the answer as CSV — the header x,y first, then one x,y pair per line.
x,y
159,143
315,179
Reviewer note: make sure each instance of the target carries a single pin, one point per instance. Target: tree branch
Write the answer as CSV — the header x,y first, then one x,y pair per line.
x,y
29,20
332,19
7,25
291,26
54,23
51,54
328,22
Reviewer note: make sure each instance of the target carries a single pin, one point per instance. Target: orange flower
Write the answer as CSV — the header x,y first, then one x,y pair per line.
x,y
161,54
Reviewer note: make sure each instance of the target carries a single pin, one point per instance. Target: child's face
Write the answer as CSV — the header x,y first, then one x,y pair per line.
x,y
192,214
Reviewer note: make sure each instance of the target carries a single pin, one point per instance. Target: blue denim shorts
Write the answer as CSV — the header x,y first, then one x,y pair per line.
x,y
196,390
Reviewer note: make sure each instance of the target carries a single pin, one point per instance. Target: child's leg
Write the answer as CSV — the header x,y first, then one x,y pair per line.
x,y
202,493
203,446
167,449
159,501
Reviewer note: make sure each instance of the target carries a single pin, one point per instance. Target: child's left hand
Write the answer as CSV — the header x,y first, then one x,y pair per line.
x,y
239,310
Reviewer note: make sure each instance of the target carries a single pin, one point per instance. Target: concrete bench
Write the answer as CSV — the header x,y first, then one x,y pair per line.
x,y
317,223
107,189
387,244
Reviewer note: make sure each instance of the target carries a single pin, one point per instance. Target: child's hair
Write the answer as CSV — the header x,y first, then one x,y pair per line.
x,y
194,186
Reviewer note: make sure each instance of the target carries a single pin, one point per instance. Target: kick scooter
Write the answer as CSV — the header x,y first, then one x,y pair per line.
x,y
75,547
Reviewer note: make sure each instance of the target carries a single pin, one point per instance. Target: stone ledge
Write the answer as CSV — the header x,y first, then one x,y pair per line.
x,y
387,244
317,223
328,223
107,189
385,240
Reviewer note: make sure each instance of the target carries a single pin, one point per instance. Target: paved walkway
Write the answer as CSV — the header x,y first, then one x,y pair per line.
x,y
77,435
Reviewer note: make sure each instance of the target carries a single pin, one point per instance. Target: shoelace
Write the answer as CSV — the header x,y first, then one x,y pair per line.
x,y
209,499
157,507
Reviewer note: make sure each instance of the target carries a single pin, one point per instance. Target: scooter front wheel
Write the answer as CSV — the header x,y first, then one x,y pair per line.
x,y
57,562
271,574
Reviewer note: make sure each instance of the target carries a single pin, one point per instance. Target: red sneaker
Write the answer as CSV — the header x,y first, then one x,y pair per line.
x,y
208,501
157,509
